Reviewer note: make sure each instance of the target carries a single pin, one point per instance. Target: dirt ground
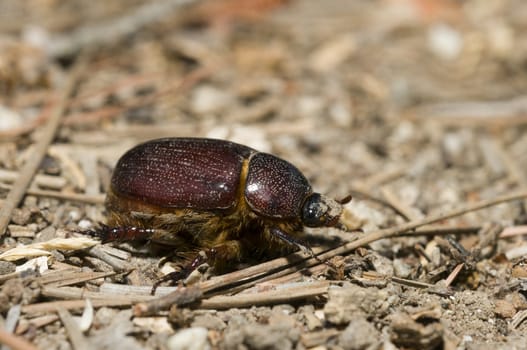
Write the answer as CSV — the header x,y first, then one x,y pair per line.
x,y
417,108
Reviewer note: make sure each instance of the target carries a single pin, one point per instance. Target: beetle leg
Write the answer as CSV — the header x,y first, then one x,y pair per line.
x,y
120,233
173,276
303,246
341,226
223,253
176,276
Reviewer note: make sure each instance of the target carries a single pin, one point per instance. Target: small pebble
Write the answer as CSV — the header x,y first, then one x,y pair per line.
x,y
332,53
459,149
208,321
9,119
22,231
208,99
6,267
504,309
401,269
360,334
189,339
21,216
445,42
104,316
345,303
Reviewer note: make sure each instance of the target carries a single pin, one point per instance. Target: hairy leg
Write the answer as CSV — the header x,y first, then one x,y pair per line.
x,y
120,233
220,256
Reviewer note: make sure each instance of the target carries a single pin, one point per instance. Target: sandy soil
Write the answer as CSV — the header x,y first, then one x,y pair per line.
x,y
415,107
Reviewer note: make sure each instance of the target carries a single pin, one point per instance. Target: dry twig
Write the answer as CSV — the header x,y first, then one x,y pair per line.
x,y
51,306
272,297
99,253
497,113
182,296
518,319
514,231
61,279
36,322
71,197
454,274
40,180
14,342
439,230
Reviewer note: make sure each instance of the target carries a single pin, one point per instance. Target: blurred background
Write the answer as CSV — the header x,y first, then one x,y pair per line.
x,y
419,102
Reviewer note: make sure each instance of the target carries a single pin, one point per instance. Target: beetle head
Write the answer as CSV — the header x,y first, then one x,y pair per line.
x,y
319,210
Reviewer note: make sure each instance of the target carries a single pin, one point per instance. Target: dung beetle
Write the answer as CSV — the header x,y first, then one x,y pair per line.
x,y
215,201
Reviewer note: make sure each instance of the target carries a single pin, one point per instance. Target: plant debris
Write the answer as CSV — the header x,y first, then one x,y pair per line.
x,y
415,108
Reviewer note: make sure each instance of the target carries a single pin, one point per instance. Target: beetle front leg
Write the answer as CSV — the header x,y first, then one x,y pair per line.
x,y
303,246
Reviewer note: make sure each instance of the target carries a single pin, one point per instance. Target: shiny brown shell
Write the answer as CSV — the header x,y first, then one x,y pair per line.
x,y
207,175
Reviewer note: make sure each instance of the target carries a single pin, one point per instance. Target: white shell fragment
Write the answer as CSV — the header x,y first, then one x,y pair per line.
x,y
39,264
86,319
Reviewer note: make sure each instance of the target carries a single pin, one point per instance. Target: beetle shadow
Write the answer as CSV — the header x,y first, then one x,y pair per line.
x,y
320,239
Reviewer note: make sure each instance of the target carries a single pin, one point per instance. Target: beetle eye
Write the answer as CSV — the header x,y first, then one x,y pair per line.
x,y
313,211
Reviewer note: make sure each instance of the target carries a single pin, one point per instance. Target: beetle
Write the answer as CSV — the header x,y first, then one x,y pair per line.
x,y
223,199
